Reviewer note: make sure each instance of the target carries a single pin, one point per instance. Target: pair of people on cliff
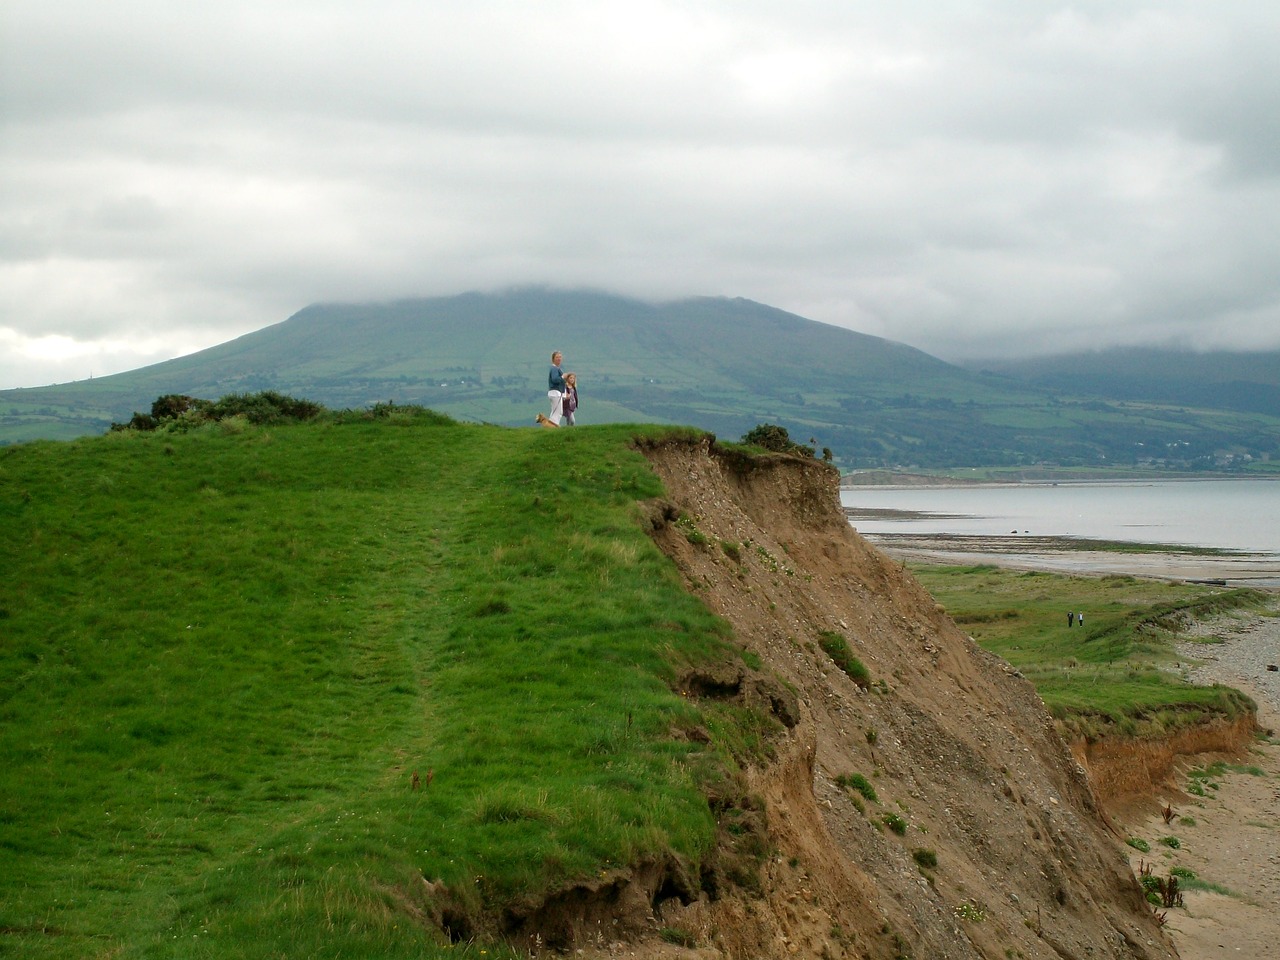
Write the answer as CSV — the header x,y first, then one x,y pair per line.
x,y
562,391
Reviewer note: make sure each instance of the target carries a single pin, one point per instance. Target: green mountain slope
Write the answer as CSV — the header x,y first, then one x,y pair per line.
x,y
257,686
718,364
1245,382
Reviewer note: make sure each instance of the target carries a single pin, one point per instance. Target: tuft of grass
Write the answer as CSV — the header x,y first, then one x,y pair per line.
x,y
837,648
895,823
926,859
859,783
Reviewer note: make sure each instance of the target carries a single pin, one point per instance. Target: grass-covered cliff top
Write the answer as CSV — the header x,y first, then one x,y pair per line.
x,y
225,653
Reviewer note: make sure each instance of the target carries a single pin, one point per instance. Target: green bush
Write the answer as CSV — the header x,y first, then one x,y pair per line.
x,y
837,648
856,781
774,438
925,858
895,823
178,412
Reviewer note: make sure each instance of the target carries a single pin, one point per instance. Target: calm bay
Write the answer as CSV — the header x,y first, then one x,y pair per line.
x,y
1242,515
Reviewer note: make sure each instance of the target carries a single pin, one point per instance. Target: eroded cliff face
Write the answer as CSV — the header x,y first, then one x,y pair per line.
x,y
953,741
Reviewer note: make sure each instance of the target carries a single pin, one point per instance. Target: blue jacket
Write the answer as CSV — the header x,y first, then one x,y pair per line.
x,y
555,379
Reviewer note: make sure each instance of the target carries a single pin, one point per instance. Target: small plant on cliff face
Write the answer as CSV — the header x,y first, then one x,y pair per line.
x,y
895,823
1139,844
691,531
927,859
856,781
837,648
968,910
1173,843
1160,891
681,938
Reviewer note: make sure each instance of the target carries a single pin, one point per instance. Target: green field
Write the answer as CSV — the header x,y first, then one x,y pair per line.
x,y
1116,673
226,652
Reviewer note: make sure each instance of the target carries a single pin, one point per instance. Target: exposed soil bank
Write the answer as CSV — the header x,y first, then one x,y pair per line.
x,y
1125,771
977,834
1230,838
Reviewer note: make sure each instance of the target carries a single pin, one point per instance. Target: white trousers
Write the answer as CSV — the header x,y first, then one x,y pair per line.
x,y
557,406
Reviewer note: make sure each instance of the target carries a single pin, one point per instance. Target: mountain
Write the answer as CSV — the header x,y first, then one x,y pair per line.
x,y
1245,382
724,365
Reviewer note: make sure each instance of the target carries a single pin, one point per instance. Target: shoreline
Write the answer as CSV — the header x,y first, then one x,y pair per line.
x,y
1230,837
1084,558
916,481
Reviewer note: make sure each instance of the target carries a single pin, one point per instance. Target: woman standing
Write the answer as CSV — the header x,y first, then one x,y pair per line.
x,y
555,392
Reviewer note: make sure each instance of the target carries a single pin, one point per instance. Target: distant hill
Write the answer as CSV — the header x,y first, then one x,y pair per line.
x,y
724,365
1247,382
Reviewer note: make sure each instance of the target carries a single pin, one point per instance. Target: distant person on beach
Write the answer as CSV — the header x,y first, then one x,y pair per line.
x,y
555,392
569,403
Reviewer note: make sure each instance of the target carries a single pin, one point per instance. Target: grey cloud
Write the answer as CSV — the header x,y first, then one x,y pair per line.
x,y
967,178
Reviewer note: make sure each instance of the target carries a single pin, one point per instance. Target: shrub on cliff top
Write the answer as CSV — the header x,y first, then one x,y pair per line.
x,y
775,438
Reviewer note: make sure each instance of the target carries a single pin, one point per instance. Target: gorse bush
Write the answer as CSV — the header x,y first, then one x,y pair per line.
x,y
177,411
769,436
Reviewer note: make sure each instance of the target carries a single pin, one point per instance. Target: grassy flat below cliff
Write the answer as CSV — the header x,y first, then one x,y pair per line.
x,y
227,652
1114,674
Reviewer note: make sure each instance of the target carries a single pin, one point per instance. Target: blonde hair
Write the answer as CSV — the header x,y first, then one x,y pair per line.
x,y
556,353
571,379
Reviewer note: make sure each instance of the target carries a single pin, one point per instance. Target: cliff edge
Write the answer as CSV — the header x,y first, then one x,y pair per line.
x,y
925,808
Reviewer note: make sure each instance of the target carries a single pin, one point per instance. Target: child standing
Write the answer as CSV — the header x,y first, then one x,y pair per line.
x,y
569,403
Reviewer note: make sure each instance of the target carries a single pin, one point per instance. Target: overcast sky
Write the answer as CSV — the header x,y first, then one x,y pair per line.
x,y
972,178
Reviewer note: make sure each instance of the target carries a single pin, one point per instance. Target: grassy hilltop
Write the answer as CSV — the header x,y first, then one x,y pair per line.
x,y
376,683
227,652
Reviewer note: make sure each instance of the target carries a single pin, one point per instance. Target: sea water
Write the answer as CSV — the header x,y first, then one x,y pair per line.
x,y
1233,514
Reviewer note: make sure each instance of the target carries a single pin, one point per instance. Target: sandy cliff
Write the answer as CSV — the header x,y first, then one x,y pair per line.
x,y
953,741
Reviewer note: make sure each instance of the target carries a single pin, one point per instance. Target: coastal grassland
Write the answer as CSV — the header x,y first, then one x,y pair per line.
x,y
225,654
1114,672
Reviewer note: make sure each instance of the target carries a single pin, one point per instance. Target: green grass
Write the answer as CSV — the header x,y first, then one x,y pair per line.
x,y
859,783
1115,673
836,647
225,653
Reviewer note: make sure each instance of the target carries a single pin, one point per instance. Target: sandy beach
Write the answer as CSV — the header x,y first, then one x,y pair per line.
x,y
1229,838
